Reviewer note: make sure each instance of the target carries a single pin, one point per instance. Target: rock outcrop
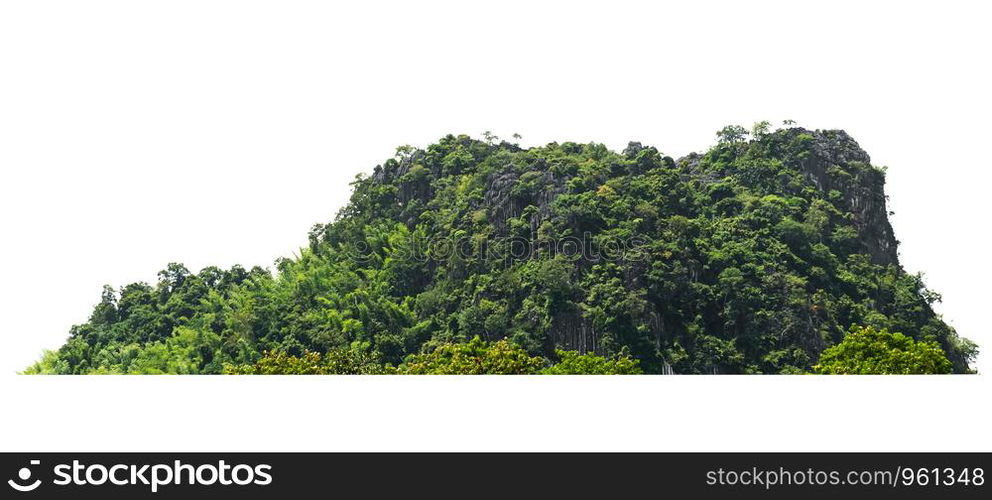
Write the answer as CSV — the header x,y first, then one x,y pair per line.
x,y
838,164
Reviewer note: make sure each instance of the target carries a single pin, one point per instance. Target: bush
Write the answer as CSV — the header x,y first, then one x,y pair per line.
x,y
866,351
354,361
573,363
474,358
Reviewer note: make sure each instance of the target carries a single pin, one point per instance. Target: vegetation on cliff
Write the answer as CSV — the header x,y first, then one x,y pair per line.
x,y
753,257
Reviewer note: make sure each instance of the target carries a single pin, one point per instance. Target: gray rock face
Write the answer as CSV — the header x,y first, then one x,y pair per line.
x,y
837,147
498,198
838,163
505,196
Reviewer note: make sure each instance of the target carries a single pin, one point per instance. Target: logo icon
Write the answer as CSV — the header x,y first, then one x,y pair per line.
x,y
25,474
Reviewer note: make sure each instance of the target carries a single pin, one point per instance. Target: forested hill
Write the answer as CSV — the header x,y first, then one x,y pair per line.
x,y
753,257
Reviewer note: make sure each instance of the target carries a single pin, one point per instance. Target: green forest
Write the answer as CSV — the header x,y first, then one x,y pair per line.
x,y
770,253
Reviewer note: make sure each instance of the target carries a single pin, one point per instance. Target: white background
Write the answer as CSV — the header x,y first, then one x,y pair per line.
x,y
133,134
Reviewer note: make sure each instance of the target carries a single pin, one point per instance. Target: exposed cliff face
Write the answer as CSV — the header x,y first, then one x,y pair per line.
x,y
837,163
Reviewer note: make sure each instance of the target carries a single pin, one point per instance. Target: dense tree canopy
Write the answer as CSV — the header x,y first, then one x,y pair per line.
x,y
753,257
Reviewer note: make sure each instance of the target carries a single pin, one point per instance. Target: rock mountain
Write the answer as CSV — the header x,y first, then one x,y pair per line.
x,y
752,257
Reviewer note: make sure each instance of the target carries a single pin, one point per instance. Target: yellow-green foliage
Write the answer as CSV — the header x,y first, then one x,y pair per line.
x,y
354,361
867,351
474,358
573,363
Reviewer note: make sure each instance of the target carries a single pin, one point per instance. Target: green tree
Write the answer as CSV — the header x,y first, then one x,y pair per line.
x,y
732,134
573,363
47,365
867,351
474,358
356,360
761,129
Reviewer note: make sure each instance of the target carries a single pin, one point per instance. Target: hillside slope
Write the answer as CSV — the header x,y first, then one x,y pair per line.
x,y
753,257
